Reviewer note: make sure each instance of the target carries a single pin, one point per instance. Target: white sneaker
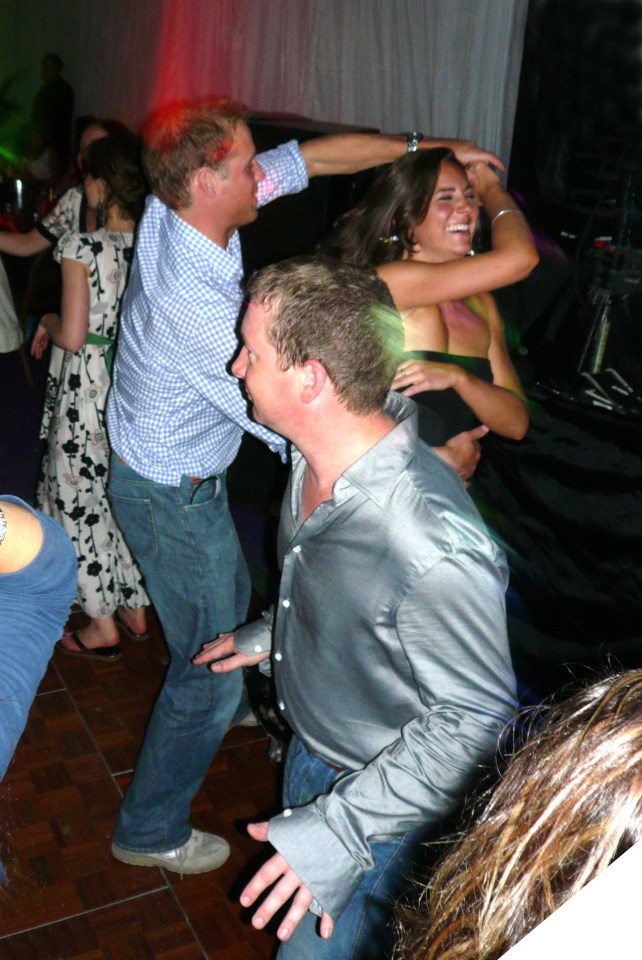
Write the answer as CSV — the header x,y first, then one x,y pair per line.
x,y
201,853
247,720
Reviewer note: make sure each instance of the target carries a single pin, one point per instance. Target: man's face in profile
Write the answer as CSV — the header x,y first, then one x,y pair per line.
x,y
271,391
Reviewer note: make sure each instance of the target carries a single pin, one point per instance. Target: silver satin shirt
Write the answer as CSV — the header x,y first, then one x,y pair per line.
x,y
389,651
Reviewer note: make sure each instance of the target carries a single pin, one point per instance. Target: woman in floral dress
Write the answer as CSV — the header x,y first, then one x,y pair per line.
x,y
74,472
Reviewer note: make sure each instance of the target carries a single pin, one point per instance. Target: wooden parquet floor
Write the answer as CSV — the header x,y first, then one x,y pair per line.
x,y
69,899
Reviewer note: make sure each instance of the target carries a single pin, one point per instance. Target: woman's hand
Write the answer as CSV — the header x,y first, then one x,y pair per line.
x,y
467,152
416,376
40,340
482,177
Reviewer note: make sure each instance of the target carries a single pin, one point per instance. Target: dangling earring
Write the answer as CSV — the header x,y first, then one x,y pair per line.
x,y
100,216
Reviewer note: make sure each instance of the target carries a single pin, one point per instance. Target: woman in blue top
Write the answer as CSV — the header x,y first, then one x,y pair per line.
x,y
37,586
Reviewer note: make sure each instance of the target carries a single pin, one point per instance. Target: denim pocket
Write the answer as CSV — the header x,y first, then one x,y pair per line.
x,y
135,517
201,492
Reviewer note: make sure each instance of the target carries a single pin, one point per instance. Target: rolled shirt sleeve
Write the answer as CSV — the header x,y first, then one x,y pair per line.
x,y
285,172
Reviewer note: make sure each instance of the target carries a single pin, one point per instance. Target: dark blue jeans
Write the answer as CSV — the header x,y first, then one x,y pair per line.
x,y
186,546
364,930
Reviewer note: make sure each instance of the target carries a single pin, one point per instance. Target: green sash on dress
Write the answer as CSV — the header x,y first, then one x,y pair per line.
x,y
99,341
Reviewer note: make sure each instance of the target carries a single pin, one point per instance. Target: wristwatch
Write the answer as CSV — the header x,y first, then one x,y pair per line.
x,y
413,140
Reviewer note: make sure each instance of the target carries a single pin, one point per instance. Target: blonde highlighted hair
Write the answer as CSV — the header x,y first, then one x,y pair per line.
x,y
569,803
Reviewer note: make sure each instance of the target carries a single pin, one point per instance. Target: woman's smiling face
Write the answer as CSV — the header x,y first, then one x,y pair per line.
x,y
446,232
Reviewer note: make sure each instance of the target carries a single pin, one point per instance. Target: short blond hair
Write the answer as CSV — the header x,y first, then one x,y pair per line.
x,y
336,313
181,138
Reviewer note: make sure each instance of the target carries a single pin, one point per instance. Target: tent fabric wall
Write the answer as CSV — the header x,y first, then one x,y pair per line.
x,y
445,67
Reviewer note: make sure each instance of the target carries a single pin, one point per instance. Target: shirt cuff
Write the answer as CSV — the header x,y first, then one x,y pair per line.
x,y
285,172
318,858
255,637
281,449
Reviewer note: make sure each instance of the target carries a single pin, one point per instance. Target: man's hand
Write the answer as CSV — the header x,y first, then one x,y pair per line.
x,y
467,151
287,884
222,656
463,451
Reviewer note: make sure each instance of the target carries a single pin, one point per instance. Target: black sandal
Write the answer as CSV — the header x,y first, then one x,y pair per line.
x,y
90,653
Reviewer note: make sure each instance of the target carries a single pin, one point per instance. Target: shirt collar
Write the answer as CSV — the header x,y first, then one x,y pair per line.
x,y
376,472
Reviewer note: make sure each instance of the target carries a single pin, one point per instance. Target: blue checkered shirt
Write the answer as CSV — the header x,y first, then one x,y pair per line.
x,y
173,408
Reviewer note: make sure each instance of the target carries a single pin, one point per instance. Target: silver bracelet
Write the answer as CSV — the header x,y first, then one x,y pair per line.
x,y
3,525
502,212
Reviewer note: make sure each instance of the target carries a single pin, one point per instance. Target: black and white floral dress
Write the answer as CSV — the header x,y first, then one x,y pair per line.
x,y
72,487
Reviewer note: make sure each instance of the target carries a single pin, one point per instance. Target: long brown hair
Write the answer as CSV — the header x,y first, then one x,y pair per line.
x,y
569,803
381,226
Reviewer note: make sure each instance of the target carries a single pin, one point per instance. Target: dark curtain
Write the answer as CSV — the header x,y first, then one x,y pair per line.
x,y
567,504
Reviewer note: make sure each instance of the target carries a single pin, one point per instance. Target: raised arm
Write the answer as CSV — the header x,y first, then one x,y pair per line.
x,y
352,152
415,283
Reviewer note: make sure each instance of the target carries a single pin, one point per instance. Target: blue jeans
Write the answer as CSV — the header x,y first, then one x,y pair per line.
x,y
187,548
364,930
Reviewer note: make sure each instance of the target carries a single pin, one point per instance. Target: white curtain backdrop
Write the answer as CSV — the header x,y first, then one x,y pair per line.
x,y
448,67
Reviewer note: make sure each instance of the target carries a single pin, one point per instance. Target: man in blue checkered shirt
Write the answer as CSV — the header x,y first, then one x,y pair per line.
x,y
175,418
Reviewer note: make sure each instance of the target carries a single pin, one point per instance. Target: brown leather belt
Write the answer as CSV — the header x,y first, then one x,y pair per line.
x,y
191,479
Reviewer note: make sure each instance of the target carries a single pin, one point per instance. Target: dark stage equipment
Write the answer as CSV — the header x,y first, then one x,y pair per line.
x,y
616,273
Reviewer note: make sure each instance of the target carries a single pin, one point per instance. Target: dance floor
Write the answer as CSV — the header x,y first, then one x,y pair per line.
x,y
69,898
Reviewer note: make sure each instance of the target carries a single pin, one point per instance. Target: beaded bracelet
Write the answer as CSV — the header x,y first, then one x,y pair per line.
x,y
502,212
3,525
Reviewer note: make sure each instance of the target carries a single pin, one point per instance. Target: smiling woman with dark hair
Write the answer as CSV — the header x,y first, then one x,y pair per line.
x,y
415,225
95,268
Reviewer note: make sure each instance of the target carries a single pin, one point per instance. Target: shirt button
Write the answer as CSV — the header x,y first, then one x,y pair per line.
x,y
286,604
296,549
281,705
278,656
287,812
258,648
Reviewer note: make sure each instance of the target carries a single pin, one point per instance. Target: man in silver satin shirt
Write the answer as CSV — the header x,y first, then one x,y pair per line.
x,y
388,642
